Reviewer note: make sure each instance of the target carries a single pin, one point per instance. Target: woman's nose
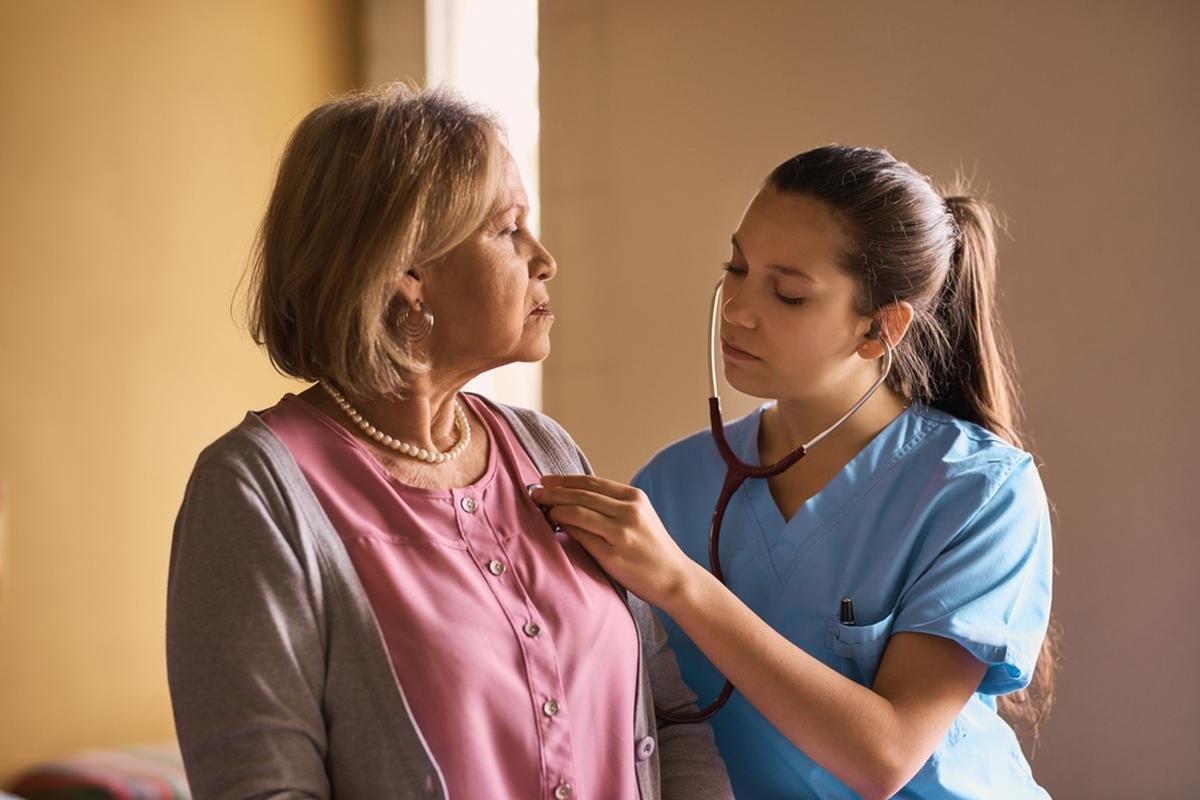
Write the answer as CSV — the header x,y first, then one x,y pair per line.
x,y
735,310
542,266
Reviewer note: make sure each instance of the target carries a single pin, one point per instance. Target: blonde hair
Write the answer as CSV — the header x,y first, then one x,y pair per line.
x,y
371,184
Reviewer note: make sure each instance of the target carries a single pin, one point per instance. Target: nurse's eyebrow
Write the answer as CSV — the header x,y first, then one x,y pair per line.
x,y
783,269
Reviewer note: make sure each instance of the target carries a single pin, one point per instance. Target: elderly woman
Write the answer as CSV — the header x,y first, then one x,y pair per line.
x,y
364,602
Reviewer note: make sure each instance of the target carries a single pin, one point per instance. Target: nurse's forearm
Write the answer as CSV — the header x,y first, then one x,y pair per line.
x,y
848,729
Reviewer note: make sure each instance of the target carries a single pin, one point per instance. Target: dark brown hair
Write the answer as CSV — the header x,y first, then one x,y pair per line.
x,y
938,253
371,184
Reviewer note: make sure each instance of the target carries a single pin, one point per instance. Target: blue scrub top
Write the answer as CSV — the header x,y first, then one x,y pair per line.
x,y
937,526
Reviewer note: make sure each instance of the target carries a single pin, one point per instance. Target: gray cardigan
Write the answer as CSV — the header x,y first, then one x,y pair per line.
x,y
280,680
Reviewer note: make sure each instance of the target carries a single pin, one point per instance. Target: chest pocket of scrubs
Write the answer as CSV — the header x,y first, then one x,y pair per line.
x,y
859,648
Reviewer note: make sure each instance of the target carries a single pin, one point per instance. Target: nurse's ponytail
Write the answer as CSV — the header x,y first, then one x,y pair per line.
x,y
973,380
906,242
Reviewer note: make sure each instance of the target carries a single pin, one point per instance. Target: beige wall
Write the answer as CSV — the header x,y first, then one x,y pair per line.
x,y
138,143
659,119
392,41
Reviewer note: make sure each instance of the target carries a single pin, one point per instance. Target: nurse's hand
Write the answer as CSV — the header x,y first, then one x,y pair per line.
x,y
617,525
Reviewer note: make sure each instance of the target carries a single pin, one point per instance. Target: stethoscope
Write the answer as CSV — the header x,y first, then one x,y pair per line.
x,y
736,474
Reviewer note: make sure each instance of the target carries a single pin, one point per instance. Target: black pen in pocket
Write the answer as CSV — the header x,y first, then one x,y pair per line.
x,y
846,615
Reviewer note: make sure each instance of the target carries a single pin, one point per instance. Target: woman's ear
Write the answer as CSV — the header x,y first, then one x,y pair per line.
x,y
410,286
889,323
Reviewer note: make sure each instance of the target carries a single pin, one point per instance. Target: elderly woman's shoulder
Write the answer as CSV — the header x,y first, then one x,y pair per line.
x,y
530,418
547,441
248,449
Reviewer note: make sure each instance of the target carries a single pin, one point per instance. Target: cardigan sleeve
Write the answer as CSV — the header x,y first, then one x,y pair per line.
x,y
244,645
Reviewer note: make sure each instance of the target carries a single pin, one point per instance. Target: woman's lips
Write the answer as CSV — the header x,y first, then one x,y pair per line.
x,y
542,311
732,352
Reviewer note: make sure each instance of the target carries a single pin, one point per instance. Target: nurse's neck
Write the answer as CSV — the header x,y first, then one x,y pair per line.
x,y
789,423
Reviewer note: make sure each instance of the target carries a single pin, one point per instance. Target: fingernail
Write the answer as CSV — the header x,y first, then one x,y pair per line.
x,y
532,487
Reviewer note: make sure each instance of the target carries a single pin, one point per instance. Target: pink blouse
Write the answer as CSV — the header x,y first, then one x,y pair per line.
x,y
516,656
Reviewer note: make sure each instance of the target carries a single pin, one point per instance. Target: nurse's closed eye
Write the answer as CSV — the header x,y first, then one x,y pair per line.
x,y
732,270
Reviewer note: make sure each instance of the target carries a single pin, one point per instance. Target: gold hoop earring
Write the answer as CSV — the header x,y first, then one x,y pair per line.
x,y
417,322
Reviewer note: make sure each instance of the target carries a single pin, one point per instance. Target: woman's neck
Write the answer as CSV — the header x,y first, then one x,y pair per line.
x,y
791,422
423,416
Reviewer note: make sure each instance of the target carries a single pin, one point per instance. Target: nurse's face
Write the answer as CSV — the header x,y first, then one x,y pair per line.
x,y
789,328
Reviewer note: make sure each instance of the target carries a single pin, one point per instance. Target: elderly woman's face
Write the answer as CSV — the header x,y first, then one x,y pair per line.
x,y
488,295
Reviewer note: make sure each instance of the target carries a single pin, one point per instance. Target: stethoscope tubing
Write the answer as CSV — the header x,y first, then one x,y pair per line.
x,y
736,474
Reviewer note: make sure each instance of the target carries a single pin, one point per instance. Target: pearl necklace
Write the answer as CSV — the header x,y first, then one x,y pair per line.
x,y
429,456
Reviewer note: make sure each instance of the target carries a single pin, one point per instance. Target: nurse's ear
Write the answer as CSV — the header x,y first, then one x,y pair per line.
x,y
889,323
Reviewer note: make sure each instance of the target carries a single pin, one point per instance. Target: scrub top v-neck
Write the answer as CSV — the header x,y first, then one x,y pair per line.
x,y
937,526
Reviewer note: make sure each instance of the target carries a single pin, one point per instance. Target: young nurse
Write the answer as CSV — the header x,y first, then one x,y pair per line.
x,y
921,510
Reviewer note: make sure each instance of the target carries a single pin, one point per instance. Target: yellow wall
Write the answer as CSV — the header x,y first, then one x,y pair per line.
x,y
138,143
660,119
